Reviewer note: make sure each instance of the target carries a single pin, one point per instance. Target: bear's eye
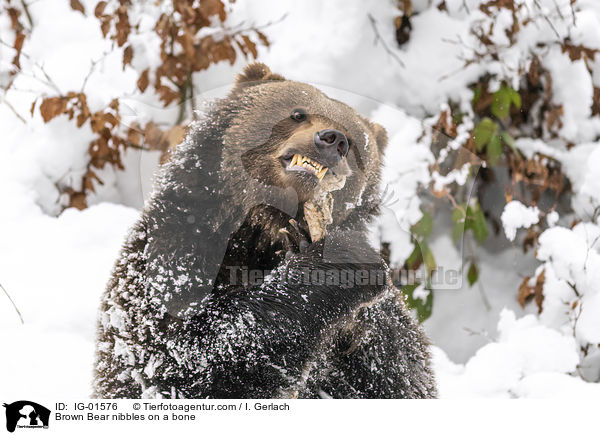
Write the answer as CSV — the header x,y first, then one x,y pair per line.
x,y
298,115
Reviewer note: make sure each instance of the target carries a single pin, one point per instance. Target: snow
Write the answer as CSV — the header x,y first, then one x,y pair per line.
x,y
513,365
55,265
517,215
55,270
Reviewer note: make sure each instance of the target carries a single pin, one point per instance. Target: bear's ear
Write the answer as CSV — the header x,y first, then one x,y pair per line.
x,y
255,73
380,136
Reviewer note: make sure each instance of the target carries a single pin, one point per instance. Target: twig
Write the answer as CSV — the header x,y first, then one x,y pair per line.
x,y
92,68
573,14
379,38
550,23
464,5
11,107
49,82
484,298
13,303
137,147
482,333
232,31
26,9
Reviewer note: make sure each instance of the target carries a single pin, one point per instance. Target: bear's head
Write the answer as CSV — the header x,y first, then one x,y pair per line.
x,y
288,134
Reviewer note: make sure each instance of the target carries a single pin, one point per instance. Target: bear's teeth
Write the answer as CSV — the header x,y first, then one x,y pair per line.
x,y
302,161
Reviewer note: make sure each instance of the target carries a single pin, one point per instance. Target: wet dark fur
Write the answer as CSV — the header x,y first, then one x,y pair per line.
x,y
173,325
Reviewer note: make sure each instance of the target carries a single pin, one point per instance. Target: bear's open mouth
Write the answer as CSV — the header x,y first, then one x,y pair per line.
x,y
298,162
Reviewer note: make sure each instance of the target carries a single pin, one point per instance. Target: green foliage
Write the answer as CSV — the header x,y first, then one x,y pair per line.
x,y
423,228
503,98
483,132
508,140
476,94
494,149
469,218
487,134
472,274
476,222
422,307
421,255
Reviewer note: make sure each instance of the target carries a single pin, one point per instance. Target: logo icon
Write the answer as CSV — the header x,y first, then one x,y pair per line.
x,y
26,414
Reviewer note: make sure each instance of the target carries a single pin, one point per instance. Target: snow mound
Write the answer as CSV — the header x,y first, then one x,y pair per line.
x,y
525,354
517,215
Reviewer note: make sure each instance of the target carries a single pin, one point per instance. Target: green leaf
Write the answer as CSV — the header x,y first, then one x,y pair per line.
x,y
458,214
422,307
476,94
472,274
508,140
503,98
501,103
483,132
428,258
494,150
476,222
459,224
423,228
457,231
515,98
415,257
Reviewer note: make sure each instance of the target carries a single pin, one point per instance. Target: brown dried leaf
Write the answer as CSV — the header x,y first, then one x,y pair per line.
x,y
166,94
52,107
214,7
262,38
105,26
142,82
153,137
14,14
114,104
88,184
99,10
77,6
596,101
175,136
18,46
111,119
77,200
250,45
577,52
187,43
527,291
134,135
127,56
533,75
554,116
122,26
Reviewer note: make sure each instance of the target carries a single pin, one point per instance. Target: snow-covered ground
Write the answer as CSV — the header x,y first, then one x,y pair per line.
x,y
55,266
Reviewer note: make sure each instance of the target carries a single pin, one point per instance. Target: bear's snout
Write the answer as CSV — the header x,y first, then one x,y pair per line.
x,y
332,144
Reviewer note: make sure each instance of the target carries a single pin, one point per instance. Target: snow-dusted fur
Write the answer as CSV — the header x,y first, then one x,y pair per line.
x,y
173,324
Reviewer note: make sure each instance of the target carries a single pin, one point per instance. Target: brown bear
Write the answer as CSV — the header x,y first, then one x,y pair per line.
x,y
249,274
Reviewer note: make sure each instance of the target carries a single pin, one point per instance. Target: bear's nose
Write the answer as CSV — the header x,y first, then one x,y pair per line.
x,y
332,141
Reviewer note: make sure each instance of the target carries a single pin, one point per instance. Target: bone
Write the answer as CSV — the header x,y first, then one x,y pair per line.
x,y
318,211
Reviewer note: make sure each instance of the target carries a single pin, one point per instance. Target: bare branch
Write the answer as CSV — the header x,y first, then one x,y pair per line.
x,y
13,303
12,108
379,38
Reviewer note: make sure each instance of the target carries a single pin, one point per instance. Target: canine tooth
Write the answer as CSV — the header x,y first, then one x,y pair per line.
x,y
321,173
294,160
